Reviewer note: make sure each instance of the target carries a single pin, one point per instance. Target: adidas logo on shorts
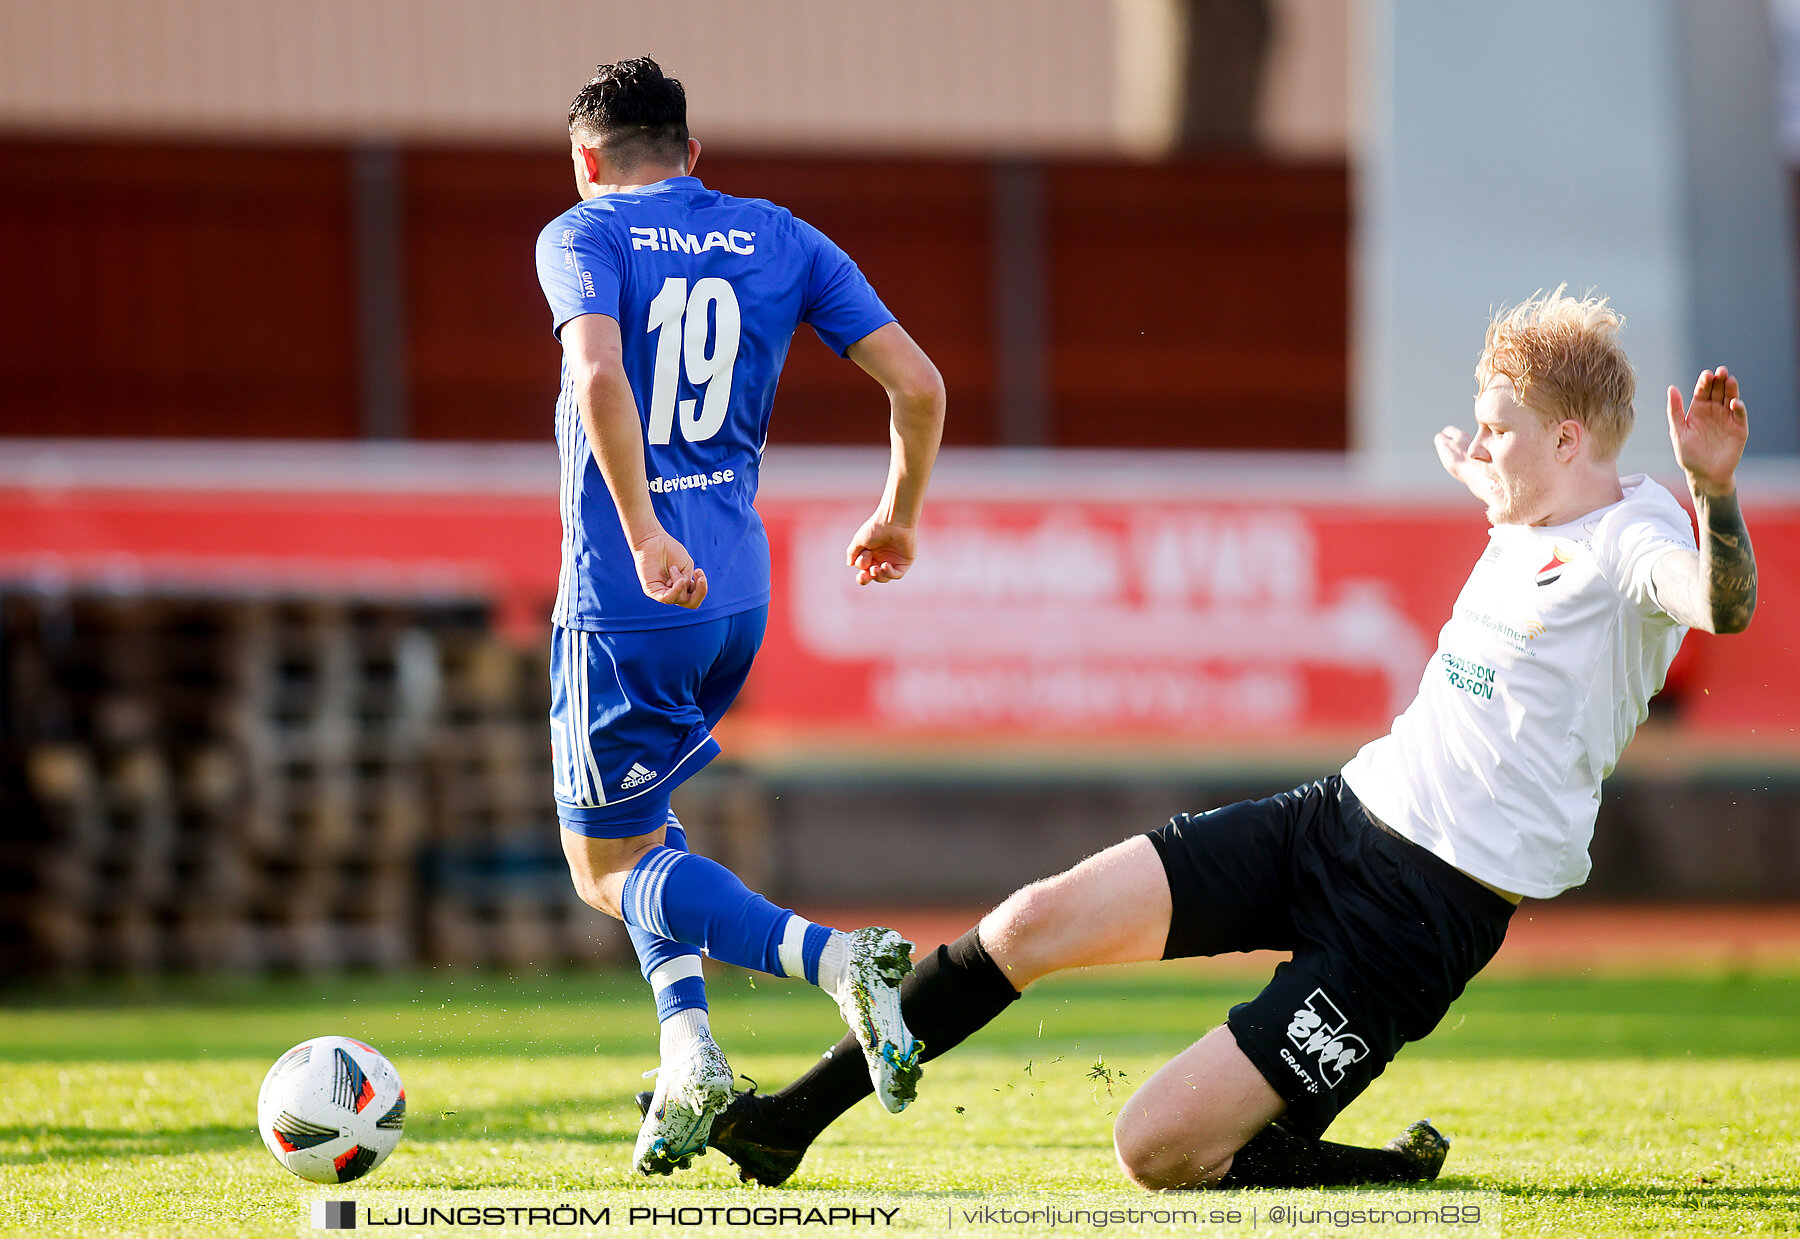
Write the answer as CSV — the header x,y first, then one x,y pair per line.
x,y
637,776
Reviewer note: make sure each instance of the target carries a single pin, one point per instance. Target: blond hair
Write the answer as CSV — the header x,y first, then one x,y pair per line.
x,y
1564,360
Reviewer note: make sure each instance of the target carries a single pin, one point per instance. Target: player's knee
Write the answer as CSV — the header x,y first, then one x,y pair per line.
x,y
1018,932
591,890
598,888
1159,1157
597,867
1024,910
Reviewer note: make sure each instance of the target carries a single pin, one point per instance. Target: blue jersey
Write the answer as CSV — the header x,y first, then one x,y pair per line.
x,y
707,290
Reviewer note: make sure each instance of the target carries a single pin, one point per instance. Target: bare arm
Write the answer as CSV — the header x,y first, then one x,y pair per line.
x,y
609,416
1714,590
884,548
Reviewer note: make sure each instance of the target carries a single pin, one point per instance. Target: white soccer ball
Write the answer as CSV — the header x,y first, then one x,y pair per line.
x,y
331,1109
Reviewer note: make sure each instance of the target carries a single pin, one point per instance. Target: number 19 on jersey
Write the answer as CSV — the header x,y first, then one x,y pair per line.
x,y
680,320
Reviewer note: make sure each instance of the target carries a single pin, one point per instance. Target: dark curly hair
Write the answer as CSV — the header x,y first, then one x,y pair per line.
x,y
634,112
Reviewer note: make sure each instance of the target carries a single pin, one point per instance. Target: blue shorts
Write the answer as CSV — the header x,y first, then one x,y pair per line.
x,y
632,713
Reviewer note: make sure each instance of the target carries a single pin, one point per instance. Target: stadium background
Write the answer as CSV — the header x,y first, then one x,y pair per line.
x,y
277,524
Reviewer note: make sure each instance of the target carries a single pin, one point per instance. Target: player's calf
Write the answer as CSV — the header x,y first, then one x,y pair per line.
x,y
950,993
673,894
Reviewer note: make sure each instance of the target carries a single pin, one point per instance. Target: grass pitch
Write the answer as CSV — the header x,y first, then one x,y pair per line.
x,y
1598,1105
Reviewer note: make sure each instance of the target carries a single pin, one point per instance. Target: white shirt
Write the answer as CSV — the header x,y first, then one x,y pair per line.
x,y
1541,677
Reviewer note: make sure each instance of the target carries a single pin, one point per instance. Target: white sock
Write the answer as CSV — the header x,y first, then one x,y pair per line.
x,y
683,1029
833,960
792,951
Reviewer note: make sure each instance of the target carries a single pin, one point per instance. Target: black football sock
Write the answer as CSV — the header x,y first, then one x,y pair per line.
x,y
1276,1157
950,993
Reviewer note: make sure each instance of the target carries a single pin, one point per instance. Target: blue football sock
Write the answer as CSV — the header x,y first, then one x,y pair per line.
x,y
700,902
672,968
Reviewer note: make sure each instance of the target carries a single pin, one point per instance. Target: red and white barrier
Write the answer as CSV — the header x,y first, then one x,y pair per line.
x,y
1067,608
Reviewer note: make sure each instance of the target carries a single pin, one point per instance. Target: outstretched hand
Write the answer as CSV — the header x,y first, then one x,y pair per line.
x,y
667,573
1452,444
1710,434
881,551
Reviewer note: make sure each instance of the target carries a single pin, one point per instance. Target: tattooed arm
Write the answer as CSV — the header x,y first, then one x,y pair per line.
x,y
1714,590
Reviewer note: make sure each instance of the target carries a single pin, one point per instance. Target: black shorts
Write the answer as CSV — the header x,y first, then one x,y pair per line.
x,y
1384,935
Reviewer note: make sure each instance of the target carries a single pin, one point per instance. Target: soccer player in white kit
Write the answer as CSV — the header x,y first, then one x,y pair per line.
x,y
1392,881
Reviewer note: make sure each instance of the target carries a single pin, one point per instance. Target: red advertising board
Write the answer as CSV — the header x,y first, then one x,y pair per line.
x,y
1152,619
1033,624
1164,627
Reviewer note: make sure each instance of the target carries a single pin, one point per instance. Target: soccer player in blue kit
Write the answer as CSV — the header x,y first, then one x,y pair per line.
x,y
675,306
